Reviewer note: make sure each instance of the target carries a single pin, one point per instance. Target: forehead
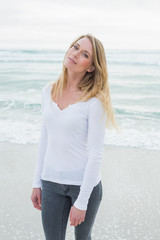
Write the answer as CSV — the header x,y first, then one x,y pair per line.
x,y
85,44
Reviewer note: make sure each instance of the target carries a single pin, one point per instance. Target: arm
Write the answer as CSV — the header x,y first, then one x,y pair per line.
x,y
42,145
96,133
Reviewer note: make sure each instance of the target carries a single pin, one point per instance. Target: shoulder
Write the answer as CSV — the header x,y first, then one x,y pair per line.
x,y
96,109
95,102
47,89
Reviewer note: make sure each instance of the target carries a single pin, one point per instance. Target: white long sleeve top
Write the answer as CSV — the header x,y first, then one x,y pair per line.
x,y
71,142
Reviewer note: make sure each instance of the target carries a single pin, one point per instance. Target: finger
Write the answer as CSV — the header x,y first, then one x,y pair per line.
x,y
34,201
39,202
83,219
39,199
36,205
77,222
72,222
39,207
80,221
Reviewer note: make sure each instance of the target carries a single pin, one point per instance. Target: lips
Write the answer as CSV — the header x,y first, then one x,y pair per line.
x,y
72,60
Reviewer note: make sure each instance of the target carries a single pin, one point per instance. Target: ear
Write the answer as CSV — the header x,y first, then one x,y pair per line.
x,y
91,68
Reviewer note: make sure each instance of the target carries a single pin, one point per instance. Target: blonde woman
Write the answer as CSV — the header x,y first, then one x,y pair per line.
x,y
75,111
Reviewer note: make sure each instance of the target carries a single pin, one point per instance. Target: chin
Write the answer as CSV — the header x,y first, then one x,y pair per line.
x,y
68,66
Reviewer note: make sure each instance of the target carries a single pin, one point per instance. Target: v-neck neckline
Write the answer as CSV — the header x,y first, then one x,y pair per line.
x,y
64,109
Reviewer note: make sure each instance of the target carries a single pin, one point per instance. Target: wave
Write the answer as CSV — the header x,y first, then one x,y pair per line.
x,y
120,112
17,105
119,63
28,131
138,114
129,58
30,61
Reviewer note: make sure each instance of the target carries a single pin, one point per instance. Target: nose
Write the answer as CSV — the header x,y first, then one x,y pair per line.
x,y
76,53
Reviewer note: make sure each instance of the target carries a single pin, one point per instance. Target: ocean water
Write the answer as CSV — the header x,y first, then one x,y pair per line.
x,y
134,78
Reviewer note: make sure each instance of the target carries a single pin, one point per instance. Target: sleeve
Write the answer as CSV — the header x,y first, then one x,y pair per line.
x,y
42,145
95,141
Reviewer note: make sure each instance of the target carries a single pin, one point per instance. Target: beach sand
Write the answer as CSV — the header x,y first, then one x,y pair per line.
x,y
130,209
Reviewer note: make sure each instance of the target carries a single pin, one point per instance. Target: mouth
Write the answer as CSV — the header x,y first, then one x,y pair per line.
x,y
71,60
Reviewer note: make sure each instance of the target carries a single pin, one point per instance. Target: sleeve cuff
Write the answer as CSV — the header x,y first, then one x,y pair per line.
x,y
37,185
80,206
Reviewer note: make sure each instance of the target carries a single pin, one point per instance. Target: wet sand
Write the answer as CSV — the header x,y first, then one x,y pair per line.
x,y
130,209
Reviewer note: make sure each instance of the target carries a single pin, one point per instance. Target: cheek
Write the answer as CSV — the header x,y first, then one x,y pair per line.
x,y
69,53
84,62
66,58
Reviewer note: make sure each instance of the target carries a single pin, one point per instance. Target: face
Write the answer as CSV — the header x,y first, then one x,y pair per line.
x,y
79,57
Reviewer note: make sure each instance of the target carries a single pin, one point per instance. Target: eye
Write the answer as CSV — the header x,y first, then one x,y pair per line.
x,y
75,47
84,54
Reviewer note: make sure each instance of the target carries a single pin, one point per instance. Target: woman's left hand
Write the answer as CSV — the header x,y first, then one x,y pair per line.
x,y
76,216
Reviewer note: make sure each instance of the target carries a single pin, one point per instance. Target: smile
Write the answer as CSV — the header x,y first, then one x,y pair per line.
x,y
71,60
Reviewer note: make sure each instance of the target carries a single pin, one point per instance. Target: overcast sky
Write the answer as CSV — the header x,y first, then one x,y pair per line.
x,y
54,24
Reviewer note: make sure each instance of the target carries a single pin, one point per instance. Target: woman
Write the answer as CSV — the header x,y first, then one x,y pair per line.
x,y
75,110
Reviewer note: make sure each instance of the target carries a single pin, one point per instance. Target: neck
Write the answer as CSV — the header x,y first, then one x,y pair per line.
x,y
73,79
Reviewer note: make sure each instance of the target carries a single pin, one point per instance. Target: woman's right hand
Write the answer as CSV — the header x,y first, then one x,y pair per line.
x,y
36,198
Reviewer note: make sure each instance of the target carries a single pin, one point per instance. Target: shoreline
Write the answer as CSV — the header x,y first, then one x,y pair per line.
x,y
105,146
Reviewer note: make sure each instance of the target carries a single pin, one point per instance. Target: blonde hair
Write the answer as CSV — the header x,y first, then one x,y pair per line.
x,y
94,84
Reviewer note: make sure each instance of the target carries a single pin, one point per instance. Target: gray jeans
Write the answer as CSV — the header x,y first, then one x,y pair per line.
x,y
57,200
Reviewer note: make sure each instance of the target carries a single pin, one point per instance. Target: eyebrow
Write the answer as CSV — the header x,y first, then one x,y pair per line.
x,y
84,50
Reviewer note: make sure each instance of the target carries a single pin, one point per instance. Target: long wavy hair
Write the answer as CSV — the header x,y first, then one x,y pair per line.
x,y
93,84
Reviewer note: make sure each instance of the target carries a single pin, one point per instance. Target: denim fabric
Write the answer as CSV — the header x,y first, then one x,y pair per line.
x,y
57,200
